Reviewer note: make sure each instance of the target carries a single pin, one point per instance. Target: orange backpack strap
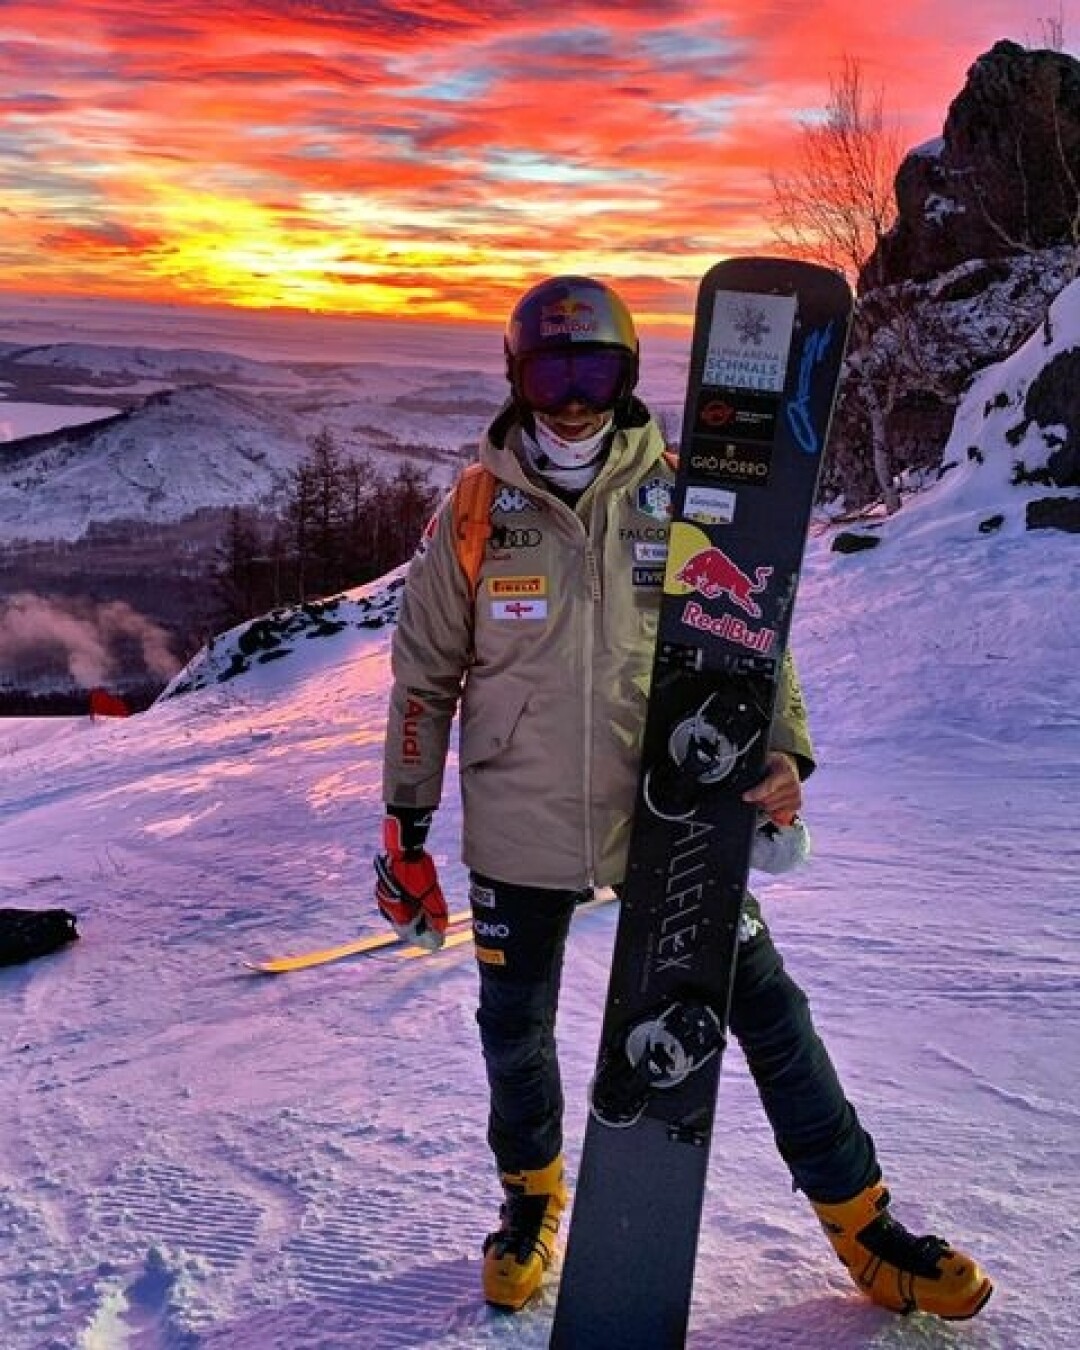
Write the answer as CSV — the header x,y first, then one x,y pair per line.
x,y
473,494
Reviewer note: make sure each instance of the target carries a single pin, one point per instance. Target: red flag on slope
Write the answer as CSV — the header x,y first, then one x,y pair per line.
x,y
104,704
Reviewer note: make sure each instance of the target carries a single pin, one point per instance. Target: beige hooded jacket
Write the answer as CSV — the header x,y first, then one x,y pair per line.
x,y
549,667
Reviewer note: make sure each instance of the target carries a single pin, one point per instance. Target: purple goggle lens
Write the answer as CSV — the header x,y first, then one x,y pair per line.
x,y
551,380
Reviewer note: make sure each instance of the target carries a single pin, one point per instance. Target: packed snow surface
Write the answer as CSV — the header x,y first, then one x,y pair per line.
x,y
194,1157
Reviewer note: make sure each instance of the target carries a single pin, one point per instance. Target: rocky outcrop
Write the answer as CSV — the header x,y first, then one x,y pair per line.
x,y
1003,178
987,234
1054,513
1054,401
915,346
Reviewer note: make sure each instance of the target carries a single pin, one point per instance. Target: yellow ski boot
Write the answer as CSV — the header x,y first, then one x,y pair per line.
x,y
520,1250
894,1268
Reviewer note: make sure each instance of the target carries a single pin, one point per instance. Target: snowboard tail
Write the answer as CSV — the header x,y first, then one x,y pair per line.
x,y
768,344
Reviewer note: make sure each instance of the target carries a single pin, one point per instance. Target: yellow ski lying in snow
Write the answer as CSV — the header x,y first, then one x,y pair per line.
x,y
459,931
373,942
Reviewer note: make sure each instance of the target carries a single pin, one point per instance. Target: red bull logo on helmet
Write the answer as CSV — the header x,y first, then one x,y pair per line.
x,y
568,319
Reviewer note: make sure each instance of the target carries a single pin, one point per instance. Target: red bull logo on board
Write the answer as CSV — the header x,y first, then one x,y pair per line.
x,y
712,574
697,566
729,627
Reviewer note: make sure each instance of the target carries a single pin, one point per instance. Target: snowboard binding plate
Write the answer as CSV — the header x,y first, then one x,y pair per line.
x,y
656,1053
710,746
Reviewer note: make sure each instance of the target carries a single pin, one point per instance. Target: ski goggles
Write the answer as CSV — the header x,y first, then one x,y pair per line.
x,y
548,381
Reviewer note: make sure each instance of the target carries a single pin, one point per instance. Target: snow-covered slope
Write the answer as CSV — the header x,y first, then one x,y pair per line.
x,y
998,450
195,1157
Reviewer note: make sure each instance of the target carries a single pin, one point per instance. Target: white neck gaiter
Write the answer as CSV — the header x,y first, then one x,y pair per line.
x,y
570,465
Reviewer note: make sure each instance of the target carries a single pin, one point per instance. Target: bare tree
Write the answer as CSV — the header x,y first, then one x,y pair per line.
x,y
909,350
837,204
835,207
343,523
1053,30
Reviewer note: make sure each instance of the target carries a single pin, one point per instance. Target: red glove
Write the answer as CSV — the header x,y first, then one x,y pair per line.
x,y
407,890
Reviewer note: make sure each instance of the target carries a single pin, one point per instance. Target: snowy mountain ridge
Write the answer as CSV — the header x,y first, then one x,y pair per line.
x,y
156,463
170,366
207,429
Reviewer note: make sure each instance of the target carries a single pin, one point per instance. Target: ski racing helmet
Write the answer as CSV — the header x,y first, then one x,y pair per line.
x,y
571,337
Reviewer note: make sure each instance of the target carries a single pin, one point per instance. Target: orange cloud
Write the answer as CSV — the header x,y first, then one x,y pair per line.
x,y
431,158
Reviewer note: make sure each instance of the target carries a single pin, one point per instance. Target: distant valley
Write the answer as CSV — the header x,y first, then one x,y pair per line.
x,y
133,508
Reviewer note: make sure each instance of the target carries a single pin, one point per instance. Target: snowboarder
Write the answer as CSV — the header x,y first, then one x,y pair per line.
x,y
549,657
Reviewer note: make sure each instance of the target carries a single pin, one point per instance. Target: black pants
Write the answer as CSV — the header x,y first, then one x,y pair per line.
x,y
520,939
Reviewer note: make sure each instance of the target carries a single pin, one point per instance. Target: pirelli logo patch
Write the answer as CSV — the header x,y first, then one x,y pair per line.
x,y
490,956
516,588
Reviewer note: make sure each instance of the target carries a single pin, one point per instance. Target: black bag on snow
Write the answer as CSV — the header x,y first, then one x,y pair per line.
x,y
26,933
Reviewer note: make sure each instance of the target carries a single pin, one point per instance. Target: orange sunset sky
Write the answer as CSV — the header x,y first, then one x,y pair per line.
x,y
432,159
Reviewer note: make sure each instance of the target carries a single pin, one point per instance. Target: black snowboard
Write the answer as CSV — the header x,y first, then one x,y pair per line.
x,y
768,344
